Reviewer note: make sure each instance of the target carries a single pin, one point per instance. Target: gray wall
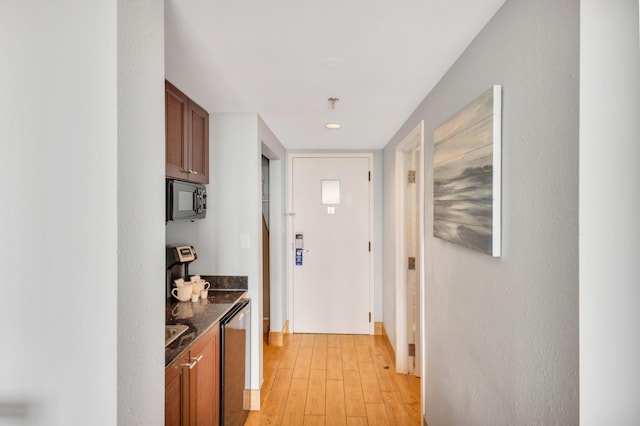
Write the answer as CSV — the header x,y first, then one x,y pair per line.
x,y
609,212
141,255
59,215
502,333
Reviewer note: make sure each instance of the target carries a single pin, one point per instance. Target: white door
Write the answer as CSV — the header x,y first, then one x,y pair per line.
x,y
331,218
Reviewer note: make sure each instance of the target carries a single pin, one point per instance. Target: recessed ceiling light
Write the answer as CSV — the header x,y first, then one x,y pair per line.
x,y
333,62
332,126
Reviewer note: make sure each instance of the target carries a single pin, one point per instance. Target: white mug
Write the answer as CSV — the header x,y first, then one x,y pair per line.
x,y
200,285
183,293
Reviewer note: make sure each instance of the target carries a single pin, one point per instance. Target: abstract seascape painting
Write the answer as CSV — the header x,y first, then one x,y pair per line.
x,y
467,175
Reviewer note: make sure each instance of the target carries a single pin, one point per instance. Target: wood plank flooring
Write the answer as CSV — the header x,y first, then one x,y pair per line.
x,y
319,379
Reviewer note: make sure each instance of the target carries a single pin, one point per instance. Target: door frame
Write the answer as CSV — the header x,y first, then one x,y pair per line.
x,y
412,141
290,237
277,244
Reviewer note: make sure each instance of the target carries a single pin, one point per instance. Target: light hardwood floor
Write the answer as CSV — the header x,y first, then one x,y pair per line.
x,y
318,379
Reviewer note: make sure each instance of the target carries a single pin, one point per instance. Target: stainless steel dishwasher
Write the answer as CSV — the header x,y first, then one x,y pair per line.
x,y
235,363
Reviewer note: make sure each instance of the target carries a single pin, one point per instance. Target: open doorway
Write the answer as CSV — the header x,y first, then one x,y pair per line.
x,y
410,251
266,287
273,220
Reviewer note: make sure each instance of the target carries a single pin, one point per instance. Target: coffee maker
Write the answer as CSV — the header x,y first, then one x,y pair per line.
x,y
178,259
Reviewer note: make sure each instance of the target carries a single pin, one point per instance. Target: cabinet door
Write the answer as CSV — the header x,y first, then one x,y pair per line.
x,y
205,379
176,393
199,143
177,132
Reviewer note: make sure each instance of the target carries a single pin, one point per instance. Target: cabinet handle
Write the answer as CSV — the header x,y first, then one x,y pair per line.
x,y
193,172
192,364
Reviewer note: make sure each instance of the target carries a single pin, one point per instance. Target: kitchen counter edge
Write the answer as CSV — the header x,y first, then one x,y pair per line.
x,y
199,317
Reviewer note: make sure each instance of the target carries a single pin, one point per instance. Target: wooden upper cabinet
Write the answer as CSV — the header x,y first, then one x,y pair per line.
x,y
199,137
187,137
177,132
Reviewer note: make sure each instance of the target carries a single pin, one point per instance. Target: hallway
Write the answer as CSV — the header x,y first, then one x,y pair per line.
x,y
319,379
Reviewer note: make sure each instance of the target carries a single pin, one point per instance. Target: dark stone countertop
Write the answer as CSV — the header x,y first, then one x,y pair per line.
x,y
198,316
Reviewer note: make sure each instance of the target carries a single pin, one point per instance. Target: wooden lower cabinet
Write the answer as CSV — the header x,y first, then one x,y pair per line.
x,y
176,392
192,384
205,379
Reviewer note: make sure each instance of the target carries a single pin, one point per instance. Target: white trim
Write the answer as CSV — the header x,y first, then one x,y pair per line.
x,y
413,140
422,293
290,251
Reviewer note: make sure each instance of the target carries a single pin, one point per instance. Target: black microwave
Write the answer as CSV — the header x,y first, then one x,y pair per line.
x,y
185,200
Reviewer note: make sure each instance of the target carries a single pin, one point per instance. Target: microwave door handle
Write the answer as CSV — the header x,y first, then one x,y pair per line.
x,y
196,206
199,201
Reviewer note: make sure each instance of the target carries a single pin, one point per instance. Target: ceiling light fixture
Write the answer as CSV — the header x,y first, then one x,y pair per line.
x,y
332,63
332,126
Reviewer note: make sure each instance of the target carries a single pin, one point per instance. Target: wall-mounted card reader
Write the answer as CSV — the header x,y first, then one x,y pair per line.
x,y
299,248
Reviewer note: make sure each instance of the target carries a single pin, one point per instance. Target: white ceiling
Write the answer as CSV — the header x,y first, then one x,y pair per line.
x,y
283,59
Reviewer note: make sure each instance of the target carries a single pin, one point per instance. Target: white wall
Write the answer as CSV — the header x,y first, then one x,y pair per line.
x,y
59,215
502,334
609,212
234,208
378,246
389,235
141,254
